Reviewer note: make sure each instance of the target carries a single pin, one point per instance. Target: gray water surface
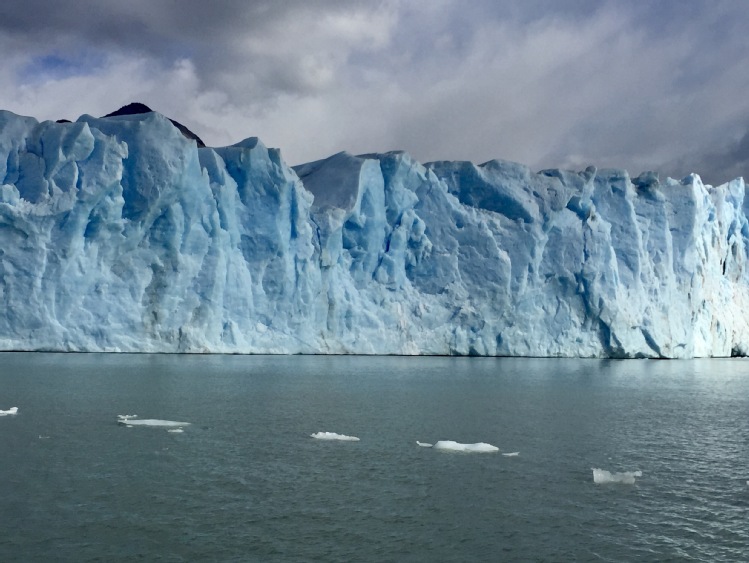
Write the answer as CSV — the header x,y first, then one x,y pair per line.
x,y
245,482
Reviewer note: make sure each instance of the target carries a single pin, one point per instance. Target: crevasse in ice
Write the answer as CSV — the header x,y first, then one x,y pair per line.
x,y
120,234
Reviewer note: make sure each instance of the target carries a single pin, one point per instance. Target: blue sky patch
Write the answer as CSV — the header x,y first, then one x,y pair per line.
x,y
56,67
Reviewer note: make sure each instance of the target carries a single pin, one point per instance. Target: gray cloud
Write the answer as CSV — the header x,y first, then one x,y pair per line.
x,y
650,85
720,164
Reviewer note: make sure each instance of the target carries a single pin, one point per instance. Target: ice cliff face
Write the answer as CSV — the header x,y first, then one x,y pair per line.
x,y
120,234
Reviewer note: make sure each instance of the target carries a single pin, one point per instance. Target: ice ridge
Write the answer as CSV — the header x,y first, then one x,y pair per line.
x,y
122,234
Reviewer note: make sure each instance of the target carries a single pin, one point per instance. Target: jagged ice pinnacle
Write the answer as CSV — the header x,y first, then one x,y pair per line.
x,y
121,234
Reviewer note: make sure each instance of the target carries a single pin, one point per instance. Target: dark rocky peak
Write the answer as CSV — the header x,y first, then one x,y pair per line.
x,y
138,108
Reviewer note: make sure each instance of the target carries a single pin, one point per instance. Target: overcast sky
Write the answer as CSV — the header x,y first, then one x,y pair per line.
x,y
661,85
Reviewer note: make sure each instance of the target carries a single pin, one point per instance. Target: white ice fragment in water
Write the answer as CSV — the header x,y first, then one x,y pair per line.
x,y
12,410
424,444
131,420
449,445
511,454
175,430
155,422
625,478
334,436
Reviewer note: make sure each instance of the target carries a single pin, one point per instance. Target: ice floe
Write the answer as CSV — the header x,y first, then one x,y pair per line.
x,y
449,445
12,410
334,436
601,476
132,420
511,454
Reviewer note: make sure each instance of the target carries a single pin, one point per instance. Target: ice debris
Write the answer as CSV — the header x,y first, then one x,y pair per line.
x,y
334,436
601,476
449,445
12,410
132,420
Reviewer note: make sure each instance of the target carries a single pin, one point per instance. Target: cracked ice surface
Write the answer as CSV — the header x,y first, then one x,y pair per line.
x,y
119,234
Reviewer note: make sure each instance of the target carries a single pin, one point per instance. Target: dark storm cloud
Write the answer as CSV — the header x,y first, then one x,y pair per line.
x,y
720,164
137,24
210,34
641,85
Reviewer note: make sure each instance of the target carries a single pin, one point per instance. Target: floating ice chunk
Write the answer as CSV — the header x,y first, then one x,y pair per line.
x,y
175,430
424,444
12,410
154,422
131,420
511,454
334,436
626,477
449,445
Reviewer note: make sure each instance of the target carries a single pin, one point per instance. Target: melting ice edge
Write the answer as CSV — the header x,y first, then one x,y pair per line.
x,y
120,234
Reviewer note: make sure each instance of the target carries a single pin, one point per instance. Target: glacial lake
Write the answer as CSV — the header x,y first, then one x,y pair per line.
x,y
244,481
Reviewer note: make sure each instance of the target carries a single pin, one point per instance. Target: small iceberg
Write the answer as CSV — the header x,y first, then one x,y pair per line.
x,y
132,420
449,445
333,436
12,410
512,454
601,476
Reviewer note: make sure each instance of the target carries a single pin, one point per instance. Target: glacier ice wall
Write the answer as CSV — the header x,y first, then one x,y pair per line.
x,y
120,234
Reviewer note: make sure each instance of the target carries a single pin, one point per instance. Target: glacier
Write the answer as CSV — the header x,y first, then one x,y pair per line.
x,y
121,234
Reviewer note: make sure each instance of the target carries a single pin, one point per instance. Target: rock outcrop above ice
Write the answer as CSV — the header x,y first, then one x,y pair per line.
x,y
138,108
121,234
